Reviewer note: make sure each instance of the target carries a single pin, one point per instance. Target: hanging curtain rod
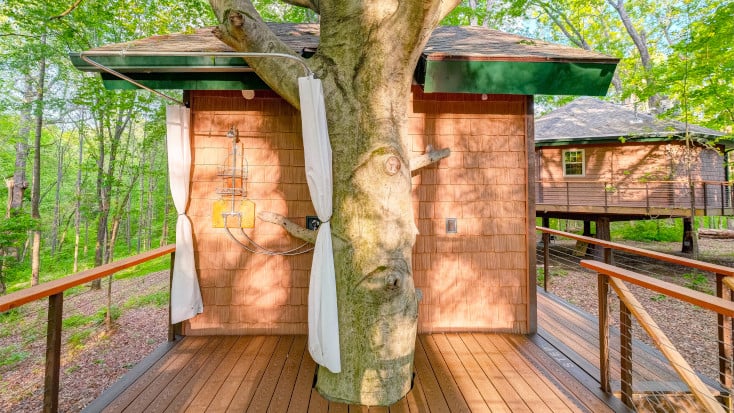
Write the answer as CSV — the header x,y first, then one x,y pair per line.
x,y
86,57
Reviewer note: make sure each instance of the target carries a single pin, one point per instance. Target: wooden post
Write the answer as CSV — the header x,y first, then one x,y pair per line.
x,y
546,258
603,288
687,244
705,200
53,353
546,253
647,196
173,329
603,232
724,331
625,340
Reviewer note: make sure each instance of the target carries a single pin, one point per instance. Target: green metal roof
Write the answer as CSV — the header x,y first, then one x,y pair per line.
x,y
456,60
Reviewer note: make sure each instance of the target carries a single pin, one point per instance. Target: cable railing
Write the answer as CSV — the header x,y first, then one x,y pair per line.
x,y
23,325
716,198
651,313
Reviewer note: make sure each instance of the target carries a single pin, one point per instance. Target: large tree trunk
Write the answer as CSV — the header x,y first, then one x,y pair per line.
x,y
366,58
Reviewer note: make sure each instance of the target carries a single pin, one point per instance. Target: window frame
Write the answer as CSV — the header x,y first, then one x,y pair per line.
x,y
583,162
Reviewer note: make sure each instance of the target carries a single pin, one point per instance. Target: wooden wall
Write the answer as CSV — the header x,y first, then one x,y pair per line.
x,y
476,280
632,162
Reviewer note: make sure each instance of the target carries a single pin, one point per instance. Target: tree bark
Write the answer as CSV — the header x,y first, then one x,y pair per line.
x,y
57,198
78,206
36,187
366,58
20,181
640,41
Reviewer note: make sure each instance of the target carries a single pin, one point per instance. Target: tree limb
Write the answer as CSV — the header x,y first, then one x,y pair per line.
x,y
290,226
243,29
67,11
431,156
446,6
309,4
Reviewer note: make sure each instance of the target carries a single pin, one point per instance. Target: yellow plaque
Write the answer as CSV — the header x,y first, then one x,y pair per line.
x,y
238,214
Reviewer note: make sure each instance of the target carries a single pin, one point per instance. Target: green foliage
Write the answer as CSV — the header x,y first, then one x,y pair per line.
x,y
158,264
77,339
658,297
12,354
156,299
648,230
697,281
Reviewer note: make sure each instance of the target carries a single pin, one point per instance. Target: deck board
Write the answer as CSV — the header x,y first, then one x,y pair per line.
x,y
580,335
467,372
454,372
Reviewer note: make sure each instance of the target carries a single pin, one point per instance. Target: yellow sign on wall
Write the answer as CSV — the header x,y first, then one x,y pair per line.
x,y
239,214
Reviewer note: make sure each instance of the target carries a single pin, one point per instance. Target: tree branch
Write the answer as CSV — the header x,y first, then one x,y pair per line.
x,y
309,4
69,10
431,156
446,7
290,226
243,29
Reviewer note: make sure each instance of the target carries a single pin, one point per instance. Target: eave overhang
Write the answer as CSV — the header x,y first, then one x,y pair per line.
x,y
456,60
517,76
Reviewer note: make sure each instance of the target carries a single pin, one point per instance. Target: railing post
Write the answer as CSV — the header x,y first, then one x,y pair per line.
x,y
568,196
705,199
647,195
606,197
724,331
53,353
603,287
625,341
546,258
173,329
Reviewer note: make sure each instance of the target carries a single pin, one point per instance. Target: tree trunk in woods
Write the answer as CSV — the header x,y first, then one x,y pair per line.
x,y
36,187
640,40
166,211
57,198
366,58
19,182
78,207
151,205
141,207
106,169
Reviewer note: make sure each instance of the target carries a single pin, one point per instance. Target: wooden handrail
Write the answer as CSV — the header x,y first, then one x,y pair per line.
x,y
700,265
666,347
687,295
60,285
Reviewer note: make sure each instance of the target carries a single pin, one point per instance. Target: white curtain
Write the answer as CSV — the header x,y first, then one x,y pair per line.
x,y
185,294
323,322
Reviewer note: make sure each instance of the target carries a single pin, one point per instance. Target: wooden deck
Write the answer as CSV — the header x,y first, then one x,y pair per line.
x,y
555,370
573,335
454,372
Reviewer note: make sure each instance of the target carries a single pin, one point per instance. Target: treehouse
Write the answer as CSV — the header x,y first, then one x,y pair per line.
x,y
596,159
488,339
480,347
473,94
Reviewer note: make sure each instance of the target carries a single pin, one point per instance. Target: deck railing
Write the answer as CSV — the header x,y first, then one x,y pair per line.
x,y
54,291
611,275
716,198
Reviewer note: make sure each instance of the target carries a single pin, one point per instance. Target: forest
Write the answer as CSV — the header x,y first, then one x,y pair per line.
x,y
85,168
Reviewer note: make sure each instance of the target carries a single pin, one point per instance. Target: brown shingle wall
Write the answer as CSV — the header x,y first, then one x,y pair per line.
x,y
633,162
477,279
246,293
474,280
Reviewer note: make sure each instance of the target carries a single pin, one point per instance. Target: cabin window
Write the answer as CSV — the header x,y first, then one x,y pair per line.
x,y
573,163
